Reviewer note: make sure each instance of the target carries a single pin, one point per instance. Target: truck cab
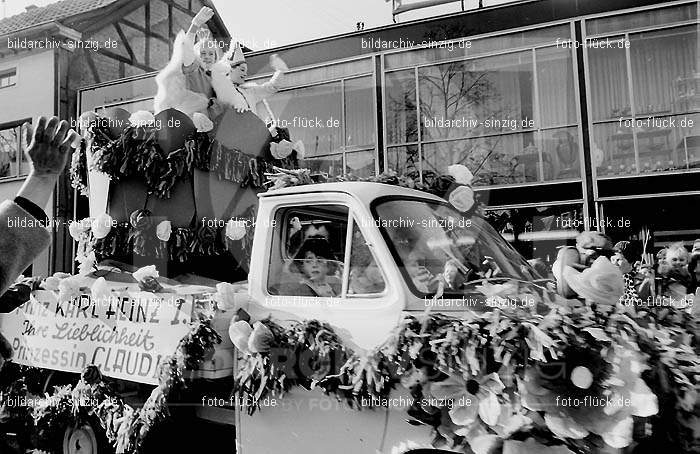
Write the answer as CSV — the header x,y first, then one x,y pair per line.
x,y
394,250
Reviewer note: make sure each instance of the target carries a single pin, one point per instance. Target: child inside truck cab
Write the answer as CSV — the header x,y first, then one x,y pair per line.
x,y
317,265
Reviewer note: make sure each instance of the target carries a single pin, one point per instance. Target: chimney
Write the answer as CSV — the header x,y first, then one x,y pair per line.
x,y
30,7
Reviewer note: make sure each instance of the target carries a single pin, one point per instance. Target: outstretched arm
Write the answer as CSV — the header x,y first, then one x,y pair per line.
x,y
273,85
47,146
204,14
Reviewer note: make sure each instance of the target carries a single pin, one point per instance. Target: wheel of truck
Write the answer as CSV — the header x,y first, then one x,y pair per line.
x,y
80,440
86,438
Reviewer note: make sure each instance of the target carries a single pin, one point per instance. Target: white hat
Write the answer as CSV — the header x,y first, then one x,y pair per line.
x,y
602,283
235,55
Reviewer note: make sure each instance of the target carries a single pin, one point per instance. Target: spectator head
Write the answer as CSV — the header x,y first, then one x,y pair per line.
x,y
627,253
591,245
677,256
696,248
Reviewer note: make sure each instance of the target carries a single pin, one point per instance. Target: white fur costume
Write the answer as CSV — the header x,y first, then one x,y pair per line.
x,y
172,91
246,96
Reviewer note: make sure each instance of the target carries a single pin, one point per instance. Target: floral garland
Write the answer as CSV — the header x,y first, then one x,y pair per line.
x,y
93,399
455,187
101,238
260,376
136,153
508,379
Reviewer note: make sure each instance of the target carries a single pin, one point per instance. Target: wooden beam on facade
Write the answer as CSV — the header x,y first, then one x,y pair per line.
x,y
144,30
93,66
123,59
125,41
180,8
105,19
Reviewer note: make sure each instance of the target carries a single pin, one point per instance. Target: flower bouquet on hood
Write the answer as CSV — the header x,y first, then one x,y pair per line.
x,y
585,376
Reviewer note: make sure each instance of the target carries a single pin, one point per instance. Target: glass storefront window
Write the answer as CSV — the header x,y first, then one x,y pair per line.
x,y
332,165
669,143
360,163
495,160
437,50
401,116
612,150
560,154
302,110
322,73
403,160
665,76
476,97
663,144
537,232
656,17
556,87
608,82
359,112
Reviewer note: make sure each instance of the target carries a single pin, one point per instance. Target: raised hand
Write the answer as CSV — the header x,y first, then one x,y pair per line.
x,y
203,16
277,63
47,145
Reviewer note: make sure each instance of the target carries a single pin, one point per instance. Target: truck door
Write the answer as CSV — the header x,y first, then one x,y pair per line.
x,y
323,264
356,297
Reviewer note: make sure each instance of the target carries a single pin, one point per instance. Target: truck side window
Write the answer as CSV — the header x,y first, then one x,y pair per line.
x,y
365,276
308,250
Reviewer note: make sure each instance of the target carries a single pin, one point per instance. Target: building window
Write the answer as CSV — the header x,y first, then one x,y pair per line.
x,y
644,97
336,123
8,77
538,231
510,118
12,162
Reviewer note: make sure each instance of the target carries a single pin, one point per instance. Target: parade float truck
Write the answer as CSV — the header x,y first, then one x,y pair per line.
x,y
428,334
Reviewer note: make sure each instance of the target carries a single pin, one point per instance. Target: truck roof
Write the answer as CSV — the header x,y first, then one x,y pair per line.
x,y
363,190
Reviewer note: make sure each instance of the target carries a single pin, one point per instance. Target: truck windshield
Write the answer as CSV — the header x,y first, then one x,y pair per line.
x,y
433,242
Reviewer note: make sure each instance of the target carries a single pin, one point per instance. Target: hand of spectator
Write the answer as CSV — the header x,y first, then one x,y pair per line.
x,y
203,16
47,146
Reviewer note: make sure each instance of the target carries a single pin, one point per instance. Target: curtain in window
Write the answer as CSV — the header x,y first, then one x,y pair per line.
x,y
661,61
359,112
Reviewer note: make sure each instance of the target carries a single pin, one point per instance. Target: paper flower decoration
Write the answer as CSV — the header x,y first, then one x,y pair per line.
x,y
281,149
101,226
77,228
602,283
100,290
227,296
240,332
68,289
202,122
142,118
476,397
163,230
86,262
261,338
146,271
235,229
461,174
606,409
462,198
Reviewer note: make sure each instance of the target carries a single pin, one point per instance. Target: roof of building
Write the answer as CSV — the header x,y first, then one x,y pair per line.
x,y
59,11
